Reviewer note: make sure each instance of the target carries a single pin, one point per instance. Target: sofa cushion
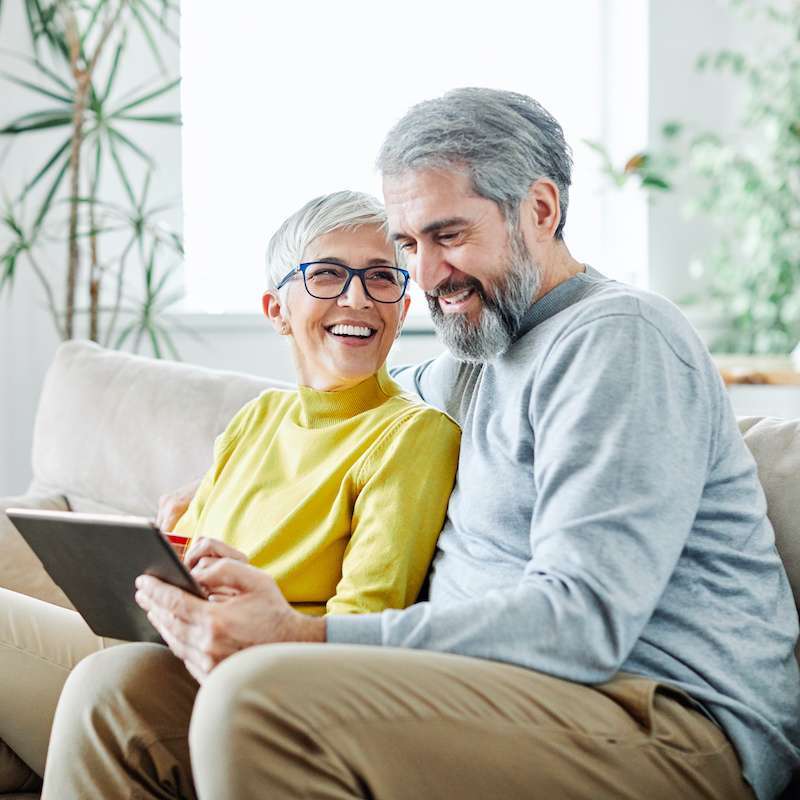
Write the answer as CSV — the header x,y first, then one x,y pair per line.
x,y
115,431
20,570
775,444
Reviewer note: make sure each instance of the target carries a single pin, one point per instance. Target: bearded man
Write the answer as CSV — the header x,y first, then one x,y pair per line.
x,y
607,614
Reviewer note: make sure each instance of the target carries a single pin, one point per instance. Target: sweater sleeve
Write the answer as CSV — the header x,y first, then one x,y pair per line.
x,y
398,514
436,381
623,431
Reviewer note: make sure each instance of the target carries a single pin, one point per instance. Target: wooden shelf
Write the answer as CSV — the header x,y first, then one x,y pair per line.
x,y
757,370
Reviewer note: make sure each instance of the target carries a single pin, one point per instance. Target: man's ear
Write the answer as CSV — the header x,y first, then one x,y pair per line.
x,y
406,301
275,312
542,208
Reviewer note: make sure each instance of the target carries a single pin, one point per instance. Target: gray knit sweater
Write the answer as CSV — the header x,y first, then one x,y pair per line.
x,y
607,516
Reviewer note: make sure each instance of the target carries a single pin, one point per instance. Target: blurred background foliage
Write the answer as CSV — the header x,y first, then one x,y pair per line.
x,y
746,186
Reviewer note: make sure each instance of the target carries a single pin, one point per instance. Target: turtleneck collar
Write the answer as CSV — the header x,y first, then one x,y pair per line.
x,y
319,409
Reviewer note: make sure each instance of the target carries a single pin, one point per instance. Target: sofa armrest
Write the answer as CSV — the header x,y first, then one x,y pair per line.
x,y
20,569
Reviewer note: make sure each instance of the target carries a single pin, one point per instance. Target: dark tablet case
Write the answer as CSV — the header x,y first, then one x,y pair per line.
x,y
95,559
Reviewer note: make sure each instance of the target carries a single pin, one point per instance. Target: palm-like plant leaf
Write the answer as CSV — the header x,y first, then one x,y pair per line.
x,y
39,123
43,24
35,87
160,20
46,168
146,32
98,165
167,338
95,15
147,97
112,73
41,68
120,168
48,200
161,119
17,245
117,134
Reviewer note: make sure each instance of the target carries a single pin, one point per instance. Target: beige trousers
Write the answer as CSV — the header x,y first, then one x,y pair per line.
x,y
328,721
39,644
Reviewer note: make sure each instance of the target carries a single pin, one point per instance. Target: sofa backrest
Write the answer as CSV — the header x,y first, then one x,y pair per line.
x,y
775,444
114,431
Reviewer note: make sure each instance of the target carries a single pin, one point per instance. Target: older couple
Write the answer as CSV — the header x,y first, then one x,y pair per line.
x,y
607,614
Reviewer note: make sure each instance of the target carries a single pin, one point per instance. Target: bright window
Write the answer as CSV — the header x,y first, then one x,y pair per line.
x,y
283,102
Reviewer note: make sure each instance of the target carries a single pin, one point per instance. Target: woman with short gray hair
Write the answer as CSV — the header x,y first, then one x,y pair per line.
x,y
337,490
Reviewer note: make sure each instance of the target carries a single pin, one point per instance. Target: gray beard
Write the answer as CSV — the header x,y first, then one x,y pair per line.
x,y
501,314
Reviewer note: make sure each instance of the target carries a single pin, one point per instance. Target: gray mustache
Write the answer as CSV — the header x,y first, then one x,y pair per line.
x,y
451,288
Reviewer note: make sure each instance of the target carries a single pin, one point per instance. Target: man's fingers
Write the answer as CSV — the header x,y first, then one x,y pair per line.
x,y
226,573
205,561
198,663
153,592
204,547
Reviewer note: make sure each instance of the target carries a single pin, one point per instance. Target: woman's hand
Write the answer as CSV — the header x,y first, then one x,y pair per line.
x,y
203,634
171,507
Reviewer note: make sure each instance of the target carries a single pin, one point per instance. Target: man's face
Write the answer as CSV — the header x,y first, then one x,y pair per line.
x,y
476,271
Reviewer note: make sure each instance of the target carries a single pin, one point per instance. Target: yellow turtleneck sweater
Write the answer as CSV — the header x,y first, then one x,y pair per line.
x,y
340,496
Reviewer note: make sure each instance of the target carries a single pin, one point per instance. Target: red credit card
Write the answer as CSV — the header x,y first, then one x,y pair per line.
x,y
179,543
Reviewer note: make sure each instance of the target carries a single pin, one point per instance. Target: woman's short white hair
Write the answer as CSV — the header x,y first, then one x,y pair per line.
x,y
330,212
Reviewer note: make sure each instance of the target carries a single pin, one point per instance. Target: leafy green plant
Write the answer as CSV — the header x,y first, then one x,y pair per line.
x,y
747,186
649,170
79,50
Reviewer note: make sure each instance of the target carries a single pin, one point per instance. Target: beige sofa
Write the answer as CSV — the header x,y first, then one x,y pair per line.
x,y
114,431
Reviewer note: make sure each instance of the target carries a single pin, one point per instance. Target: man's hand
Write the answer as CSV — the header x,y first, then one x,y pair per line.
x,y
203,633
172,506
204,551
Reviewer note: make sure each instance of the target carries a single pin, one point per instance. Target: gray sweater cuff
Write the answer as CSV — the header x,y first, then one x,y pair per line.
x,y
353,628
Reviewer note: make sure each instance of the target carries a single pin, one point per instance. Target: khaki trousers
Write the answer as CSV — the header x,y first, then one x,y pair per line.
x,y
39,644
331,721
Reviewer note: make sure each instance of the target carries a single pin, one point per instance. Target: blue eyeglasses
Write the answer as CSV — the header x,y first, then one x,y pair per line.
x,y
327,280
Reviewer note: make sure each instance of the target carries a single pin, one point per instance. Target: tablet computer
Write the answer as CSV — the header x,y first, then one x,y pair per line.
x,y
95,559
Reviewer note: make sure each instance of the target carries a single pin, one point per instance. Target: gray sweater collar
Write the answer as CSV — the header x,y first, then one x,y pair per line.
x,y
558,298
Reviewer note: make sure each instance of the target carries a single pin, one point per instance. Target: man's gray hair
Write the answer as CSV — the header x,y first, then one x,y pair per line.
x,y
329,212
504,141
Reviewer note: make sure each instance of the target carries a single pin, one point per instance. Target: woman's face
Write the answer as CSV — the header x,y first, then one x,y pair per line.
x,y
326,360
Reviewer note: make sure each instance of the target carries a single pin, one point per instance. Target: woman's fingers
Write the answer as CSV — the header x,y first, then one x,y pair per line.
x,y
172,506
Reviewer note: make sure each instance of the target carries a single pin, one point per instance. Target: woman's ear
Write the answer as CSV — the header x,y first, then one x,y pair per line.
x,y
274,311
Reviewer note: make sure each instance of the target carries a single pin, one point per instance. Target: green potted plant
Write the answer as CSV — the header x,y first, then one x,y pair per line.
x,y
80,47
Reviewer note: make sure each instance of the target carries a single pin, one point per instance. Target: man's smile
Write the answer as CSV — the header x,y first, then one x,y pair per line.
x,y
457,302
